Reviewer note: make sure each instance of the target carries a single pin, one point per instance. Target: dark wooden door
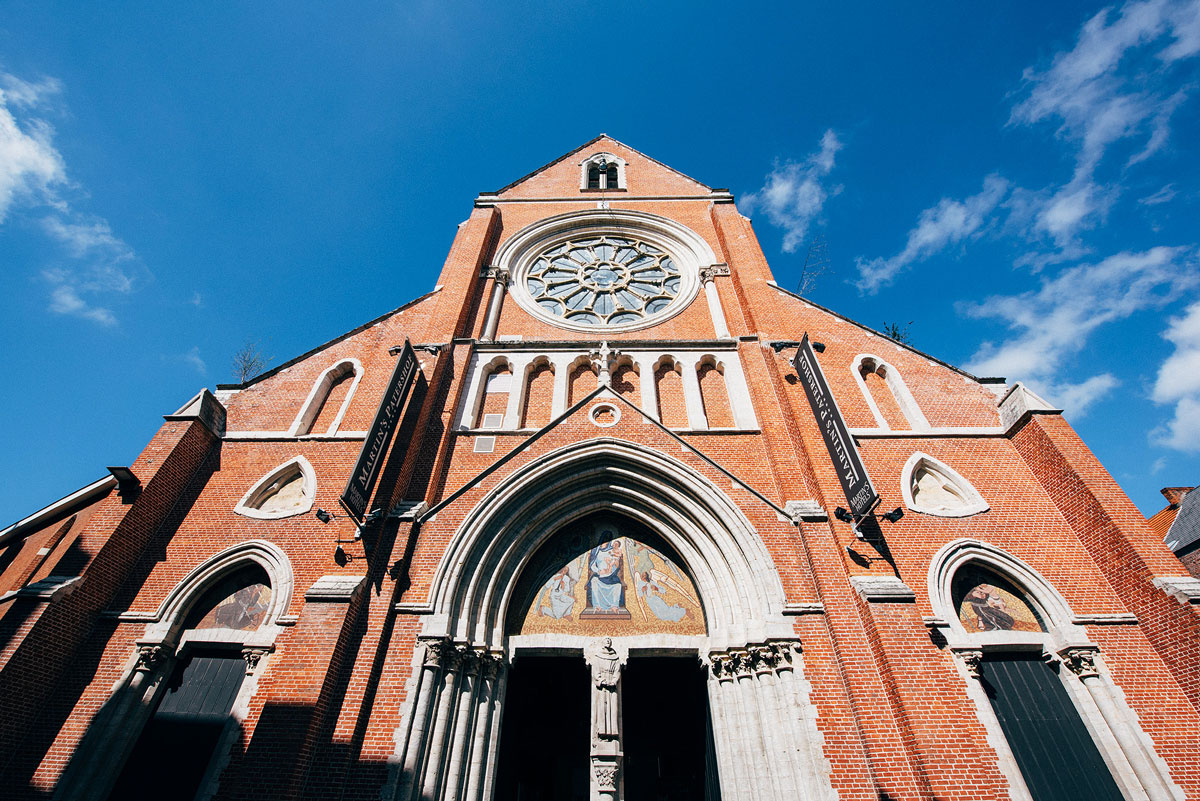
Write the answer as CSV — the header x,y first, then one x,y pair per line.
x,y
1056,754
178,742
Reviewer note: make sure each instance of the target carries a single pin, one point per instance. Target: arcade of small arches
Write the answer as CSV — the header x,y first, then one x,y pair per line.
x,y
525,390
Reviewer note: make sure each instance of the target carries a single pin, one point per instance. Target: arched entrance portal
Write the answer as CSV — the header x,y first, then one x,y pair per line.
x,y
501,596
613,602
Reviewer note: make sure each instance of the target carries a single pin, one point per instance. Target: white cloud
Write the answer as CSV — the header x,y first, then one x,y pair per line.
x,y
30,167
1164,195
794,195
1097,104
192,357
1055,321
948,223
1178,382
33,174
87,237
64,299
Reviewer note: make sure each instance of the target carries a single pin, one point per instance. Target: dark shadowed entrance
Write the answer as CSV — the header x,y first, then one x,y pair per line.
x,y
544,740
666,731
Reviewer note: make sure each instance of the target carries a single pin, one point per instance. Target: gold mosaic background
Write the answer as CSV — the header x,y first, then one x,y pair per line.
x,y
987,602
605,582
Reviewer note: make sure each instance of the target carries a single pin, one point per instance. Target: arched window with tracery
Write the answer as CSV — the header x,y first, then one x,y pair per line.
x,y
672,407
714,393
539,395
328,400
1061,726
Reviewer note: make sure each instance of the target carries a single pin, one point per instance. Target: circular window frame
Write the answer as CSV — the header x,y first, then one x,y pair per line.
x,y
687,250
604,406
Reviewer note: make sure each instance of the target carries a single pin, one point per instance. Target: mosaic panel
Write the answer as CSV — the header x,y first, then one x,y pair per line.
x,y
240,601
987,602
602,577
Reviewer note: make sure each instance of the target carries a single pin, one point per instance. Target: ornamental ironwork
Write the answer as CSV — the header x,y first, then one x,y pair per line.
x,y
603,280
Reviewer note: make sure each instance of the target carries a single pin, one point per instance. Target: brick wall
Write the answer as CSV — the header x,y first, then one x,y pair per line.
x,y
892,706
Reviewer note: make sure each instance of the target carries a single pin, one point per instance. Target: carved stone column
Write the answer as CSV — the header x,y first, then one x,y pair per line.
x,y
483,748
646,385
500,280
714,300
692,398
768,745
469,664
731,765
606,747
430,652
1082,662
443,718
91,773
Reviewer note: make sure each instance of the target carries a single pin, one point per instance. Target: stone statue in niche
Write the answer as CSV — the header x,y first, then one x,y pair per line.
x,y
606,674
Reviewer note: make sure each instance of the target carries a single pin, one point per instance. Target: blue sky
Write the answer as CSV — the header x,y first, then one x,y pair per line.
x,y
1020,180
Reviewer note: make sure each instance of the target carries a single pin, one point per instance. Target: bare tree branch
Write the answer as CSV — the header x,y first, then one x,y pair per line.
x,y
250,361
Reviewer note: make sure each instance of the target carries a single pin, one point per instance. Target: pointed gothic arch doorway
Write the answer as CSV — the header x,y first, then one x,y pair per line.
x,y
506,562
613,603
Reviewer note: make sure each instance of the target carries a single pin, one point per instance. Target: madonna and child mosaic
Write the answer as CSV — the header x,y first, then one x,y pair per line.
x,y
986,602
608,576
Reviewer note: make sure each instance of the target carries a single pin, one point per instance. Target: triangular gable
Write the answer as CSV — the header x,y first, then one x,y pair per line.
x,y
608,393
646,175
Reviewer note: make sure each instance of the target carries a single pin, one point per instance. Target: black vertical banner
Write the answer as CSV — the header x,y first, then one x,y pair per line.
x,y
357,494
856,484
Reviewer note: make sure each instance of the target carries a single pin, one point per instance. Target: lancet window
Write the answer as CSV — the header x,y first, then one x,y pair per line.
x,y
327,402
887,396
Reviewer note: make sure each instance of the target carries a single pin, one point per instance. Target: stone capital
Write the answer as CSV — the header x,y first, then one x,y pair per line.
x,y
1080,661
151,658
971,658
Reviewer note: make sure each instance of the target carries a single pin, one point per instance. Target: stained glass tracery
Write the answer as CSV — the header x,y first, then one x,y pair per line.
x,y
603,280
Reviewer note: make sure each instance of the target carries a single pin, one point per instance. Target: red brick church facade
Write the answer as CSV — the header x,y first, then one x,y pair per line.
x,y
605,555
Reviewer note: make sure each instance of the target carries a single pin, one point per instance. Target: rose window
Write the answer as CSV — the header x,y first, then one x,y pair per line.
x,y
603,280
